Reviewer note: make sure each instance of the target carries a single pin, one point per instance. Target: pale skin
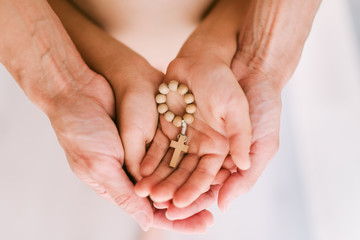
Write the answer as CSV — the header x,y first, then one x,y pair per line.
x,y
265,57
222,124
134,82
259,69
210,128
37,51
135,90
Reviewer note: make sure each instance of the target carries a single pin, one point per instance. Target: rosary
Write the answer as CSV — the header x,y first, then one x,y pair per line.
x,y
178,121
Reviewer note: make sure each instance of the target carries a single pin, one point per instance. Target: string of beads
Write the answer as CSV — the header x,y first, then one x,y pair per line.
x,y
163,108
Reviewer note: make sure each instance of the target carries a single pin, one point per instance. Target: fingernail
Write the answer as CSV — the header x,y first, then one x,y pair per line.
x,y
169,217
245,165
166,215
143,220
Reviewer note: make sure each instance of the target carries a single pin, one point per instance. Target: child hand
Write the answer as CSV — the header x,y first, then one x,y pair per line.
x,y
134,85
221,125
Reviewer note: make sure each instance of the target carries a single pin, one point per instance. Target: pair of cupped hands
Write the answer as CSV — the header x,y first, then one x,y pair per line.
x,y
116,142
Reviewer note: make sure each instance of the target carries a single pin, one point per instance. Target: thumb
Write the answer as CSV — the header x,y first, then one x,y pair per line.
x,y
137,128
111,182
238,128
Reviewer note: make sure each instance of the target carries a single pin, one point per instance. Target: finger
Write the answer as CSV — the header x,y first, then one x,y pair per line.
x,y
197,223
229,163
161,205
156,152
134,149
200,180
233,187
111,182
238,128
137,127
144,186
203,202
165,190
242,181
221,176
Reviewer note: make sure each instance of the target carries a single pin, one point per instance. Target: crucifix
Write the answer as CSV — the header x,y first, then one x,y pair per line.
x,y
178,121
179,147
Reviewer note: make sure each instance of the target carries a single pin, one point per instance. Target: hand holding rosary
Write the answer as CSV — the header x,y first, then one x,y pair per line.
x,y
178,121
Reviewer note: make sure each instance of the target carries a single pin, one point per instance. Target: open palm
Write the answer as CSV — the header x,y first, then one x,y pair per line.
x,y
84,124
264,97
221,125
87,133
264,100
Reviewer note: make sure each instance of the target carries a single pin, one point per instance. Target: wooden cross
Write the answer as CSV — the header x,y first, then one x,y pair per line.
x,y
179,147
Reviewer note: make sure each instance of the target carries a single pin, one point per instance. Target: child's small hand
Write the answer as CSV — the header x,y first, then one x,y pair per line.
x,y
221,125
134,87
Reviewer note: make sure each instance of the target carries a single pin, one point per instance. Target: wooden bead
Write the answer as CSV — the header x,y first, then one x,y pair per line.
x,y
173,85
163,88
188,118
177,121
183,89
189,98
191,108
162,108
169,116
160,98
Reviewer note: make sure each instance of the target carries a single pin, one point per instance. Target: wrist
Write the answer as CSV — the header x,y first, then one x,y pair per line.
x,y
273,36
217,34
117,59
38,53
49,89
128,74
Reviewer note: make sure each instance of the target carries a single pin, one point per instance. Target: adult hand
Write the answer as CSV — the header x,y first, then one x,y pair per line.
x,y
85,129
37,51
269,48
265,108
268,52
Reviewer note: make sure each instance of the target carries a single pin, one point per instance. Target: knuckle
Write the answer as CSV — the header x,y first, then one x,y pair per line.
x,y
124,201
196,207
210,194
178,66
206,174
175,64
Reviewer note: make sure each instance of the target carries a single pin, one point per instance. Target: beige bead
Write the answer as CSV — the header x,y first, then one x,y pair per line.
x,y
177,121
183,89
191,108
173,85
160,98
189,98
163,88
169,116
162,108
188,118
